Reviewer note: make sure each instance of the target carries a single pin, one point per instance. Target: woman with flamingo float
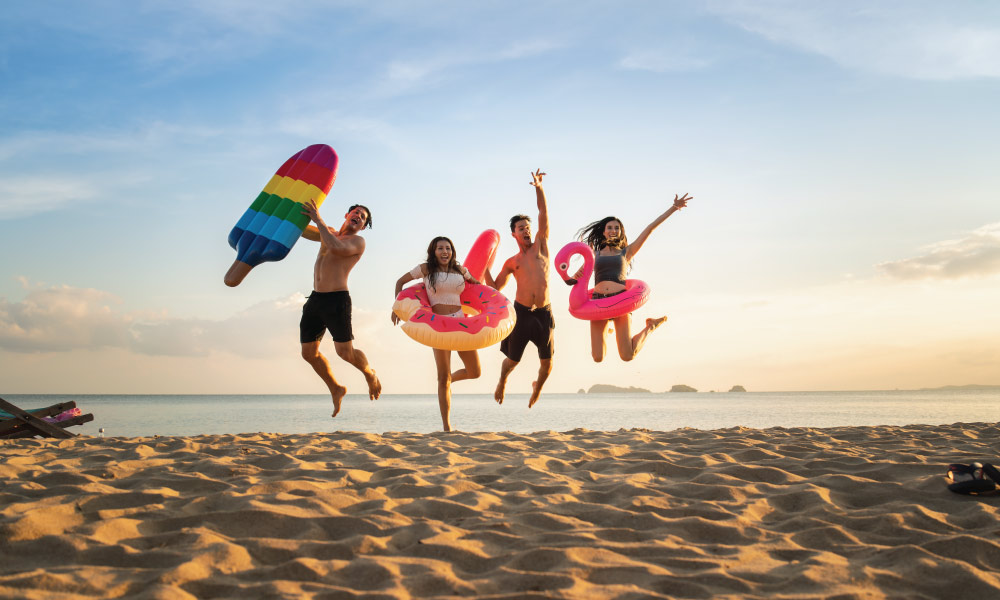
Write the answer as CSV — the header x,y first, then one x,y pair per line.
x,y
613,297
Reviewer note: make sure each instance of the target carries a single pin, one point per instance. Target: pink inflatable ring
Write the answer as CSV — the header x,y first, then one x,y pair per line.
x,y
581,304
488,318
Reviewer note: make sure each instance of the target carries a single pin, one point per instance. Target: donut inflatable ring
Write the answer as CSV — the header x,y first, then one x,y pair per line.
x,y
581,304
489,315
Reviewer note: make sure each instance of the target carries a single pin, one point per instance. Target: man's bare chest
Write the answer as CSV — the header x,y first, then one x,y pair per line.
x,y
533,262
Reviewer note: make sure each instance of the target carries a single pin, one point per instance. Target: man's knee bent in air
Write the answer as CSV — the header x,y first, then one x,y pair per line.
x,y
545,365
345,350
310,352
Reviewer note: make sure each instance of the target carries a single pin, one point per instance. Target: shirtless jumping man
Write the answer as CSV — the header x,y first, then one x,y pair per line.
x,y
329,306
530,268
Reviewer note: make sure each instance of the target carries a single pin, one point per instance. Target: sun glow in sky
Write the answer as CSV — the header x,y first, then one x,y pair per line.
x,y
844,232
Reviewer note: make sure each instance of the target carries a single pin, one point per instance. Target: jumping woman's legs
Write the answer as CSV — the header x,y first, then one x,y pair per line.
x,y
628,347
598,330
470,358
442,358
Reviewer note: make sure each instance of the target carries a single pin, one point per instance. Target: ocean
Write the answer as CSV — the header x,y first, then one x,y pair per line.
x,y
148,415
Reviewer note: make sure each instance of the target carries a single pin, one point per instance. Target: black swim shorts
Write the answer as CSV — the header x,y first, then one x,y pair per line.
x,y
326,310
535,326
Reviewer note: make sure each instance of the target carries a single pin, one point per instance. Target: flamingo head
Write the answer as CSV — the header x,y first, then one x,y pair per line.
x,y
567,252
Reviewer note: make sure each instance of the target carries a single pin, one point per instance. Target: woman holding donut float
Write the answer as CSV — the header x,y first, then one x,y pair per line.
x,y
613,297
432,312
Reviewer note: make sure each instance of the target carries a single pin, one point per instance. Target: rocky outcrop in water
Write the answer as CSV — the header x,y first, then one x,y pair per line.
x,y
682,388
604,388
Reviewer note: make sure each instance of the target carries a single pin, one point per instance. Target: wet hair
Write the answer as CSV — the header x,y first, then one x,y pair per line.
x,y
432,264
593,234
516,218
368,213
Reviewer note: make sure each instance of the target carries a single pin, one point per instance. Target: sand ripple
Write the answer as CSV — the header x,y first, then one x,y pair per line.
x,y
852,512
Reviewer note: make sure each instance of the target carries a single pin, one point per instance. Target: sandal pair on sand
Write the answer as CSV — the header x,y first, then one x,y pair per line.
x,y
974,479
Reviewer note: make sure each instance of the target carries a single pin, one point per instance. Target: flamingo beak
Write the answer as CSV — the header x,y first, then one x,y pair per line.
x,y
571,282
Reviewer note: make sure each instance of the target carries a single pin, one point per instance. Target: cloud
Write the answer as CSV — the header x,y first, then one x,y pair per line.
x,y
261,17
402,76
202,36
146,139
913,39
44,171
975,255
312,123
25,196
526,49
662,61
64,318
185,34
269,328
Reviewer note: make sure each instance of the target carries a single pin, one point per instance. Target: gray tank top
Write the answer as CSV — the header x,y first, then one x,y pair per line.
x,y
610,267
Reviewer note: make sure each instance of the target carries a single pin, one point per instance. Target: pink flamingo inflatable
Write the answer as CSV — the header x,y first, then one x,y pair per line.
x,y
581,305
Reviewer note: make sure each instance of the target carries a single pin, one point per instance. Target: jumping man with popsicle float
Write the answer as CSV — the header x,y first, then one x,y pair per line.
x,y
329,306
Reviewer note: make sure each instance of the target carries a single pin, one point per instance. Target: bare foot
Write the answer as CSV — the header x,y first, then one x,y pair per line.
x,y
374,385
652,324
498,394
535,392
338,395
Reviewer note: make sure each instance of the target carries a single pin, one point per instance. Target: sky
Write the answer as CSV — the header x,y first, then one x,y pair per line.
x,y
844,232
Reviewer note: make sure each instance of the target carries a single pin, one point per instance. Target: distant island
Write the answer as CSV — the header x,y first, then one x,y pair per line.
x,y
972,386
604,388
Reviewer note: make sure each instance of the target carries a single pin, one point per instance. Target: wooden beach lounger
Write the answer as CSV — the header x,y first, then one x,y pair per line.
x,y
17,423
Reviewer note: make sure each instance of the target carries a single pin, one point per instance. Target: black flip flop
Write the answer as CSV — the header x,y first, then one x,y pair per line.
x,y
970,480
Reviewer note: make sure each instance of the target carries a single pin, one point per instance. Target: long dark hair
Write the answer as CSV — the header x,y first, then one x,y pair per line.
x,y
432,263
593,235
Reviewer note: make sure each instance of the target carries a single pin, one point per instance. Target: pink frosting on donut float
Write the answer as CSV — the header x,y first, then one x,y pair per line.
x,y
491,320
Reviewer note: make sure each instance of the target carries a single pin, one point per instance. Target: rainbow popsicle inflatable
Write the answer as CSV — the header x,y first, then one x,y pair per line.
x,y
274,222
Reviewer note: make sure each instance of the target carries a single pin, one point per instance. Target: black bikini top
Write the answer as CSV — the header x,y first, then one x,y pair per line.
x,y
610,267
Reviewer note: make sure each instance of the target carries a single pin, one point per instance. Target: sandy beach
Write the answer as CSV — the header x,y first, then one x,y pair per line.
x,y
847,512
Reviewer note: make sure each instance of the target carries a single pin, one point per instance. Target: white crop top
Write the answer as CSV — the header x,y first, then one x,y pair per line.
x,y
446,288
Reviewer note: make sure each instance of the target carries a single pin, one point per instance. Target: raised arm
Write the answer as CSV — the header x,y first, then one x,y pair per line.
x,y
633,247
543,210
323,234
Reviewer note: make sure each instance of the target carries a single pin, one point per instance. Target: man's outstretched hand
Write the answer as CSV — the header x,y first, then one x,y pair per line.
x,y
536,178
